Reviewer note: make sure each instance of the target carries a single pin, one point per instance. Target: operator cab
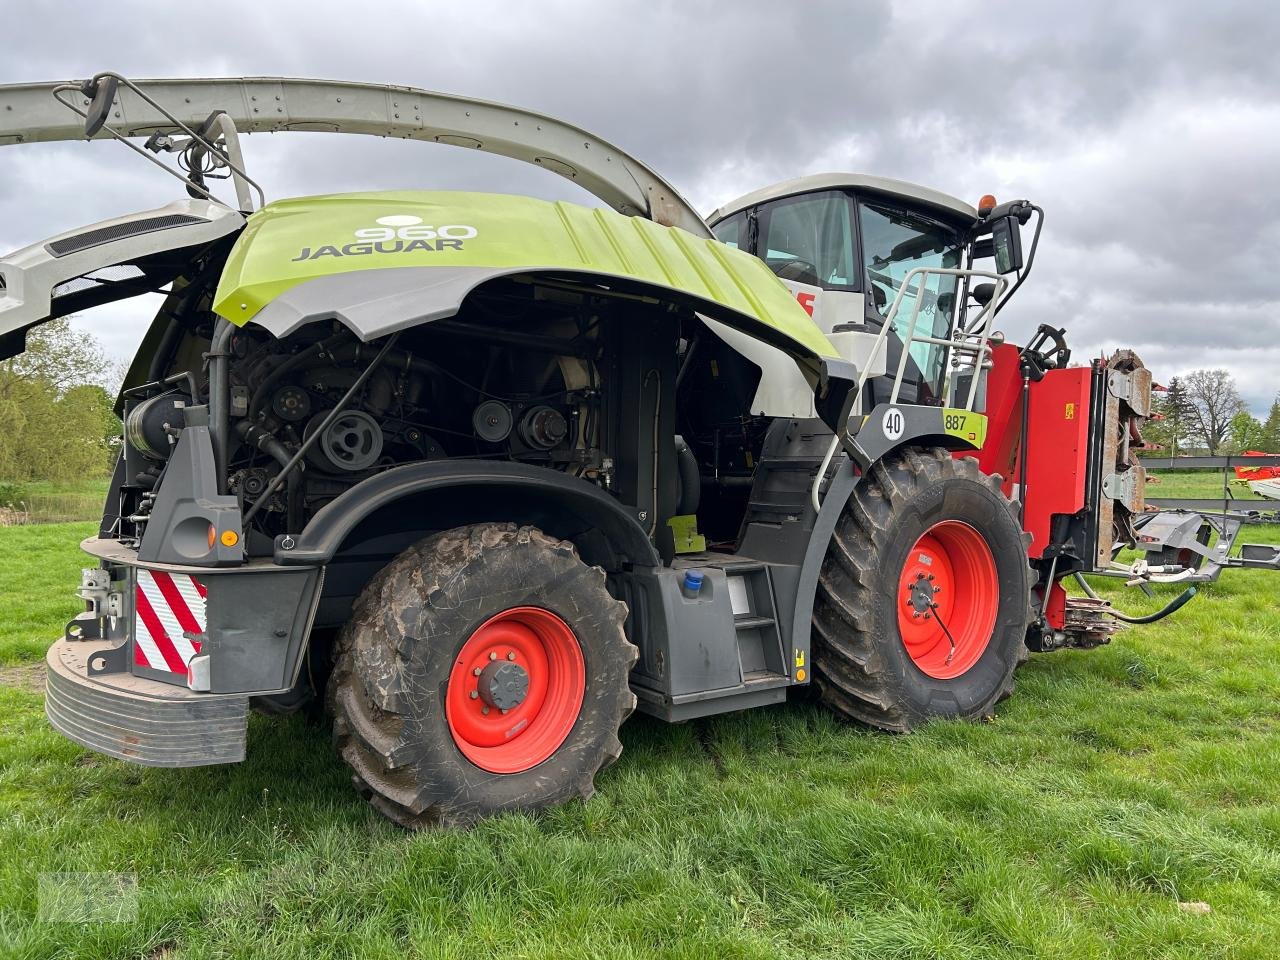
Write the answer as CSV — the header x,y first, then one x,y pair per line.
x,y
845,243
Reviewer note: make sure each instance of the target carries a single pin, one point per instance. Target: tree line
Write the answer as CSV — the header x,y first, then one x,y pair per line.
x,y
1202,411
56,418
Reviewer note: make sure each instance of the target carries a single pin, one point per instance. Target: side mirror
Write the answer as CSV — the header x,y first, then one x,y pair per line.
x,y
1006,242
101,92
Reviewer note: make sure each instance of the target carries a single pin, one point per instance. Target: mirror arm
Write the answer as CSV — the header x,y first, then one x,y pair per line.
x,y
1031,254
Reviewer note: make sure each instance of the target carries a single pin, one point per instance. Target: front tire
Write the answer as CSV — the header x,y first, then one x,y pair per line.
x,y
923,599
483,670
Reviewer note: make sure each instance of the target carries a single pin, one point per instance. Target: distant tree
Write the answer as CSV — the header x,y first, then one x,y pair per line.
x,y
1245,432
1174,416
59,356
56,418
1214,400
1271,428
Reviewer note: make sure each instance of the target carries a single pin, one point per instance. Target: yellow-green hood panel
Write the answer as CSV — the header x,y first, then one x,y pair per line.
x,y
290,242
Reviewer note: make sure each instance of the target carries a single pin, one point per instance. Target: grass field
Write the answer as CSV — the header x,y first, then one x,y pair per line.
x,y
1196,484
1116,785
44,501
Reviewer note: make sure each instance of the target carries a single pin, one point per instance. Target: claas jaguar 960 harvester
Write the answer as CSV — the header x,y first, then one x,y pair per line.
x,y
484,473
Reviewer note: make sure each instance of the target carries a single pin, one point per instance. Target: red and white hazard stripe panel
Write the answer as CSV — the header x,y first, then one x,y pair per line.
x,y
166,606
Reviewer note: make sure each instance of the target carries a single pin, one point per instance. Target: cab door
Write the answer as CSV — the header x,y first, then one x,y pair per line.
x,y
896,239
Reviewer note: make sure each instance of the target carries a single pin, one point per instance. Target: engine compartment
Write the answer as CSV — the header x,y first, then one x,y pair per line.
x,y
564,377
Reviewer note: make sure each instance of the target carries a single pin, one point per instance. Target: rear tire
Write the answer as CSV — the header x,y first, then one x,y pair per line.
x,y
430,735
921,519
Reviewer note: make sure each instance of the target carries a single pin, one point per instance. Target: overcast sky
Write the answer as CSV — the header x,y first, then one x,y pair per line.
x,y
1149,133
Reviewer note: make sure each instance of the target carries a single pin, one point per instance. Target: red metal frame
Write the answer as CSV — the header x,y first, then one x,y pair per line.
x,y
1057,434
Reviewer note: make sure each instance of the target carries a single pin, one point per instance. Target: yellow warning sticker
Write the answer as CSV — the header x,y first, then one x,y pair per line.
x,y
1069,412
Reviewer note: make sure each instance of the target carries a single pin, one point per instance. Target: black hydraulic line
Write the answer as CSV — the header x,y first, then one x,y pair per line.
x,y
168,341
220,397
1178,602
328,421
951,640
1084,585
690,477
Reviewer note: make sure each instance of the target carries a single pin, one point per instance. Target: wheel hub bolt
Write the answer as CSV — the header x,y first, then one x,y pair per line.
x,y
511,655
474,694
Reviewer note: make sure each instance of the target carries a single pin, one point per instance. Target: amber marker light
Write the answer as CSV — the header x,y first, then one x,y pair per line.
x,y
986,204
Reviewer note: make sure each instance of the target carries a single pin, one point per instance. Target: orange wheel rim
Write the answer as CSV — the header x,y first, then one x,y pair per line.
x,y
948,598
515,690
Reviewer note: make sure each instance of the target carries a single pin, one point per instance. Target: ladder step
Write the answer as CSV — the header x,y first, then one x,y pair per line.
x,y
751,623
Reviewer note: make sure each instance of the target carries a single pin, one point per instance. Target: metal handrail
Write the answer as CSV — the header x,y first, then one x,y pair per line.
x,y
961,342
956,343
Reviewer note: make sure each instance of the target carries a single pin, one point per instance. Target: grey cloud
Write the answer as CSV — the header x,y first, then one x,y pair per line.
x,y
1150,132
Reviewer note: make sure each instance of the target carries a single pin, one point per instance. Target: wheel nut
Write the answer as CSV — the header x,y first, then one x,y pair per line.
x,y
511,655
485,711
492,655
475,694
476,671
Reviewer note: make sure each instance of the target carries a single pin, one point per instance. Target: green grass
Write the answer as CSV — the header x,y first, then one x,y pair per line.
x,y
1115,784
44,501
39,571
1196,485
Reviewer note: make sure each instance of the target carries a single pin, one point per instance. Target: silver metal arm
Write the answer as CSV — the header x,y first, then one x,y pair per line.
x,y
29,114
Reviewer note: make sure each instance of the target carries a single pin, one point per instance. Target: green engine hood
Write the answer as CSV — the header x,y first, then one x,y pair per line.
x,y
291,242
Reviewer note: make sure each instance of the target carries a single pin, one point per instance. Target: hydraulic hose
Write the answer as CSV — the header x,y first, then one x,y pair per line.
x,y
690,478
1177,604
220,397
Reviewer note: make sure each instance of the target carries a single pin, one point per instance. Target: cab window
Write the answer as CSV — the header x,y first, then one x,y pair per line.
x,y
895,241
731,231
809,239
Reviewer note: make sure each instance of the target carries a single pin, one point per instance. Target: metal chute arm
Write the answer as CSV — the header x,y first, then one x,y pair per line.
x,y
30,114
